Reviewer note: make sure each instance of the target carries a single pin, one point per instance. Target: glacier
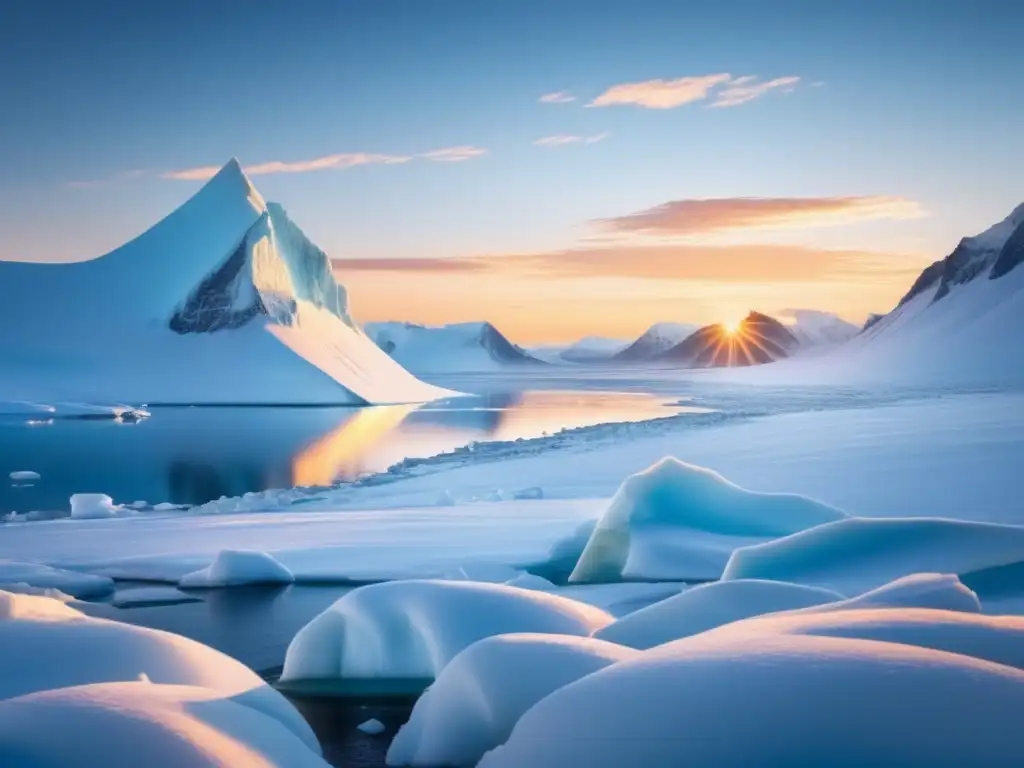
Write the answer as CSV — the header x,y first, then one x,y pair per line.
x,y
223,301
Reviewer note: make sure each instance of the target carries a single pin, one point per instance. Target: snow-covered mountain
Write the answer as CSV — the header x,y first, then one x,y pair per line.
x,y
655,340
592,349
223,301
758,339
448,348
813,328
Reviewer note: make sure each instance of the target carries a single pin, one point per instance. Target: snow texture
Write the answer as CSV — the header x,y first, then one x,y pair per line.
x,y
412,629
708,606
237,567
93,506
226,288
679,521
478,698
45,644
681,704
79,585
859,554
121,725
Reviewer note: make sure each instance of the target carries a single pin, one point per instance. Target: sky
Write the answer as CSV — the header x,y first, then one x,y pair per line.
x,y
559,169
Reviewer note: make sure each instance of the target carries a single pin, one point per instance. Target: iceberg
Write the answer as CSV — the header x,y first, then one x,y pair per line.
x,y
708,606
139,723
223,301
859,554
411,629
801,700
478,698
679,521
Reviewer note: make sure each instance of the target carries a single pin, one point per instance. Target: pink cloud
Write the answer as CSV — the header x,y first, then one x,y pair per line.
x,y
744,89
454,154
661,94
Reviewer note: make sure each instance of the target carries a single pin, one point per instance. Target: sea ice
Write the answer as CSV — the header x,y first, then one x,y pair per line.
x,y
678,521
236,567
412,629
45,644
727,697
477,699
708,606
111,725
859,554
79,585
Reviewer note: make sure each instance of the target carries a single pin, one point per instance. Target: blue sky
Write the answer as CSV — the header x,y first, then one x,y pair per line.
x,y
916,102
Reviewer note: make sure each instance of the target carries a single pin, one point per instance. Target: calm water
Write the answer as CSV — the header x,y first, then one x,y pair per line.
x,y
192,455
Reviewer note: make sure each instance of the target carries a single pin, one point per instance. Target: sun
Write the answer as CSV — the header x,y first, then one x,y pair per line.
x,y
731,327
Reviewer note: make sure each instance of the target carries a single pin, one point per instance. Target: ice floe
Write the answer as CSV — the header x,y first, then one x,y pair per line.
x,y
236,567
412,629
80,585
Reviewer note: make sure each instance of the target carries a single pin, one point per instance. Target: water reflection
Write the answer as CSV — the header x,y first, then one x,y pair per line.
x,y
192,455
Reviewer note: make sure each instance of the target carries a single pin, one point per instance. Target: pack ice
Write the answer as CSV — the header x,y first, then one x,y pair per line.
x,y
223,301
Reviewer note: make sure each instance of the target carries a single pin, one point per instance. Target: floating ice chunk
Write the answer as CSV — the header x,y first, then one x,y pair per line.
x,y
412,629
24,475
533,492
679,521
859,554
477,699
530,581
138,723
165,506
45,644
236,567
729,698
371,726
708,606
80,585
92,506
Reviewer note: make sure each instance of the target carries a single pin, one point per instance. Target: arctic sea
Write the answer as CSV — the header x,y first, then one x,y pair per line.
x,y
189,455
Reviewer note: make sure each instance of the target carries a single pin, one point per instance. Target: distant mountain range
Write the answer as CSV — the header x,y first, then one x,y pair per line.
x,y
448,348
758,339
655,340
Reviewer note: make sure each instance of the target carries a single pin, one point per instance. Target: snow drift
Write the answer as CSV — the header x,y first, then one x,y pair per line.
x,y
708,606
412,629
45,644
479,696
857,554
237,567
448,348
804,700
679,521
138,723
223,301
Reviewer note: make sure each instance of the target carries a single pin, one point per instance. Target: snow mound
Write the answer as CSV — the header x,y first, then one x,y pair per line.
x,y
45,644
412,629
478,698
226,287
235,567
859,554
159,726
800,700
679,521
998,639
940,591
708,606
93,506
80,585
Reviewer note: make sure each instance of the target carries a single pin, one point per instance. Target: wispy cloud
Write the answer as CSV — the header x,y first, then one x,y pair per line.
x,y
711,216
744,89
339,162
661,94
711,263
454,154
558,97
724,90
562,139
